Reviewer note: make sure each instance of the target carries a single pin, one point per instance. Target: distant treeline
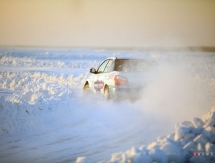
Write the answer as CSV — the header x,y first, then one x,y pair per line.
x,y
176,49
199,48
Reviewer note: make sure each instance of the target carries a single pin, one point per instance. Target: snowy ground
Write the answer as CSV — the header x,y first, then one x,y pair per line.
x,y
43,117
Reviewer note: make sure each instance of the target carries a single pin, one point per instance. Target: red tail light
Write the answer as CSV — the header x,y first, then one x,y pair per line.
x,y
119,80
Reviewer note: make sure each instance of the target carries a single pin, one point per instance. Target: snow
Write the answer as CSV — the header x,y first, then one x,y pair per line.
x,y
168,149
44,118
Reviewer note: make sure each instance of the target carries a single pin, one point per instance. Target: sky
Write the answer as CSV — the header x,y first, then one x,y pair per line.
x,y
107,23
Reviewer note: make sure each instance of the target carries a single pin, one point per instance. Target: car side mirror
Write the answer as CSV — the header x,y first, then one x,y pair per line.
x,y
93,70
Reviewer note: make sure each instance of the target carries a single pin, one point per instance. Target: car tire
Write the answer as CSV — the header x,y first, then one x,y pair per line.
x,y
86,90
107,93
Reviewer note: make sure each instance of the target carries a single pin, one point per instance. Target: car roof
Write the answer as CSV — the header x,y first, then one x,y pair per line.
x,y
130,58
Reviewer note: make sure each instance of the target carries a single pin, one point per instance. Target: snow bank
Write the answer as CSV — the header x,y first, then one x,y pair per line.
x,y
191,137
35,86
24,94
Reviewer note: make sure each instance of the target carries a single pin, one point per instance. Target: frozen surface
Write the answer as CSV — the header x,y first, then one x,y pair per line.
x,y
43,117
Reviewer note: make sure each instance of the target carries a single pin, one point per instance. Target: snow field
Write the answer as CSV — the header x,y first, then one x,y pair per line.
x,y
32,62
40,91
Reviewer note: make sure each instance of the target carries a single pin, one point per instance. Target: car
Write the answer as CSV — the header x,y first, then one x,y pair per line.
x,y
118,78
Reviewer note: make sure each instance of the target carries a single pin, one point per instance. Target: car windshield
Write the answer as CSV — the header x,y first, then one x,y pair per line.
x,y
128,65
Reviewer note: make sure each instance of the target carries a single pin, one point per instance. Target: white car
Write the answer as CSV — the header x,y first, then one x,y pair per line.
x,y
119,78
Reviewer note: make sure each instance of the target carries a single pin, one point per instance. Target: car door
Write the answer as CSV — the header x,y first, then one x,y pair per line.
x,y
102,74
98,82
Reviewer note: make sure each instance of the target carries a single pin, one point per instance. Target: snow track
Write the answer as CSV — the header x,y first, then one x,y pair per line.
x,y
66,132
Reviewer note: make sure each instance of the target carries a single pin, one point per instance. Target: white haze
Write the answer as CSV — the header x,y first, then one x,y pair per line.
x,y
173,94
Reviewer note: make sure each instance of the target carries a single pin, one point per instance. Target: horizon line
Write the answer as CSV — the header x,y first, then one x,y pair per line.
x,y
174,48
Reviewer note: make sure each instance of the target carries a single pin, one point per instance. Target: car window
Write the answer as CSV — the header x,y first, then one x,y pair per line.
x,y
133,65
102,66
109,66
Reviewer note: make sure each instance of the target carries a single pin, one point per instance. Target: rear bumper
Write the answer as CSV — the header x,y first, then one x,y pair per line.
x,y
125,92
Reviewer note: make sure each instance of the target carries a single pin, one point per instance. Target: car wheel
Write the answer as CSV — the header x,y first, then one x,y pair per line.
x,y
106,93
86,90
